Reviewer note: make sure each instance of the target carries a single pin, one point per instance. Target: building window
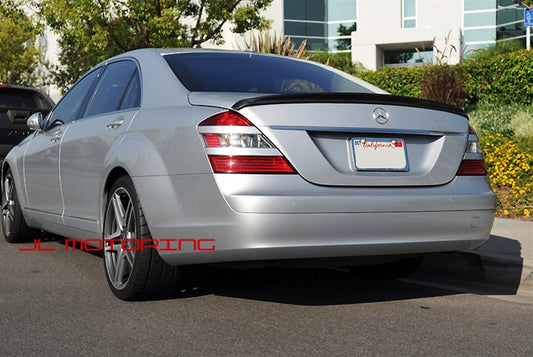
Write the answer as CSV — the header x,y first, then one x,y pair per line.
x,y
324,24
409,13
407,58
489,21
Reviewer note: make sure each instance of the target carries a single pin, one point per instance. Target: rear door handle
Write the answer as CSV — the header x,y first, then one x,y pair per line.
x,y
115,124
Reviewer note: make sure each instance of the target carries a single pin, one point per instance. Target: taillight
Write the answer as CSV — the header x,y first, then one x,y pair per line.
x,y
473,163
250,164
226,119
234,145
472,168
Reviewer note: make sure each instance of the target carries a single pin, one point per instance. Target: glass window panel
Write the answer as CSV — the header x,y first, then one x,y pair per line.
x,y
480,35
506,2
294,9
341,44
8,100
315,29
304,29
111,88
408,57
295,28
340,10
238,72
409,8
471,49
409,23
344,29
315,10
509,31
316,44
505,16
132,97
70,106
471,5
480,19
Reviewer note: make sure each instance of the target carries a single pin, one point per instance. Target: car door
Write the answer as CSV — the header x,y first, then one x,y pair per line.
x,y
41,157
89,142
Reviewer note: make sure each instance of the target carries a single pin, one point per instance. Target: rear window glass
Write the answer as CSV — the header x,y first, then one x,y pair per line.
x,y
255,73
18,101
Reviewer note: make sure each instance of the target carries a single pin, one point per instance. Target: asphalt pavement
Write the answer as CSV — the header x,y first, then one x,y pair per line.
x,y
501,266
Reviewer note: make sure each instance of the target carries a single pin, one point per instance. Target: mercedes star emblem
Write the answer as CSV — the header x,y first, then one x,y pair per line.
x,y
380,115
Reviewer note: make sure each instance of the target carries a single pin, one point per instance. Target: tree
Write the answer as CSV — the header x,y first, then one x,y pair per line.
x,y
92,30
19,55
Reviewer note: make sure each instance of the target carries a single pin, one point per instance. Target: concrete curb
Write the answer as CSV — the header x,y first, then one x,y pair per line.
x,y
502,266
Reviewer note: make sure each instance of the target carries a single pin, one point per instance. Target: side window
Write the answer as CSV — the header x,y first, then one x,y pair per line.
x,y
111,88
70,106
132,97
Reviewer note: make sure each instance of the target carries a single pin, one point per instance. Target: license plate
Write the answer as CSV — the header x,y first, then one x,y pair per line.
x,y
377,154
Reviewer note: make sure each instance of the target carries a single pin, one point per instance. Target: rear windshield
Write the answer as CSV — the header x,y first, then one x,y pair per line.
x,y
17,101
255,73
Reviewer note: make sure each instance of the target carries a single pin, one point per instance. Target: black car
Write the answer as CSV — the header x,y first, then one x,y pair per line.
x,y
17,103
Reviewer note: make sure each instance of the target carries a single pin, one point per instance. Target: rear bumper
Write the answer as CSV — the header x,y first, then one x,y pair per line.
x,y
252,220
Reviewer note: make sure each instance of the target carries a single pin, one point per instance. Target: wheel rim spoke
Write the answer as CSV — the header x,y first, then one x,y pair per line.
x,y
8,205
118,210
120,266
120,227
130,257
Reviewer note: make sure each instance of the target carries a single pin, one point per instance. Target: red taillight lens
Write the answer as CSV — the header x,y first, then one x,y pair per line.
x,y
212,140
234,145
228,118
250,164
472,168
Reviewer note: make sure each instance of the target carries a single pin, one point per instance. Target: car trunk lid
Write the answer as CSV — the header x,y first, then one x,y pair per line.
x,y
358,139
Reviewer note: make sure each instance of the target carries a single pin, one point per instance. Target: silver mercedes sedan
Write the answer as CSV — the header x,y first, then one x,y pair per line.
x,y
168,158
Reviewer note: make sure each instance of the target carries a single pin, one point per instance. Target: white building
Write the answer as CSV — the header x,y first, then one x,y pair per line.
x,y
389,32
385,32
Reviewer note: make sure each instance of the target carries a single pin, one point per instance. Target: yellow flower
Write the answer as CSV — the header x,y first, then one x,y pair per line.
x,y
505,212
526,212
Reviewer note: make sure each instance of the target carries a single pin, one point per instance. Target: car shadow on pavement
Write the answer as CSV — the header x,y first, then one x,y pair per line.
x,y
305,286
496,268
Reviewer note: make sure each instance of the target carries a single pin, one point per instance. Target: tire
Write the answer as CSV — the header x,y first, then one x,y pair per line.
x,y
395,270
13,224
137,273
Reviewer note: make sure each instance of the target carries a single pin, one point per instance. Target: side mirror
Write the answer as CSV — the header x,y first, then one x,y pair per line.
x,y
35,122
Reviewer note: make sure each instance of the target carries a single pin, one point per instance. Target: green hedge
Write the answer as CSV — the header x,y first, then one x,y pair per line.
x,y
503,79
399,81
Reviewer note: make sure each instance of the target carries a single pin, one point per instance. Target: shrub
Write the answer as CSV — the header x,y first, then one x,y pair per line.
x,y
503,79
443,83
509,119
399,81
510,167
522,123
268,42
339,60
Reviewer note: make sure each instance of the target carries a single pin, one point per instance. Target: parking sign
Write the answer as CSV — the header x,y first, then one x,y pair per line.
x,y
528,17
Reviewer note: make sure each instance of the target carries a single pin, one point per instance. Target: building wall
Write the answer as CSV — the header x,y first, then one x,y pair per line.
x,y
381,32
